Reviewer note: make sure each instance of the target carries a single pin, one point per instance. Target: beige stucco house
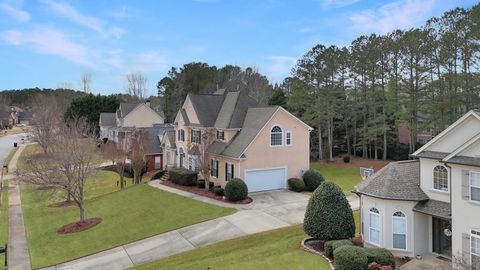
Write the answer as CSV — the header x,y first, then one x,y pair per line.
x,y
430,205
263,145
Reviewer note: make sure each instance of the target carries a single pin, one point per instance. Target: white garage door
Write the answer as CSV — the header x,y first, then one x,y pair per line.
x,y
260,180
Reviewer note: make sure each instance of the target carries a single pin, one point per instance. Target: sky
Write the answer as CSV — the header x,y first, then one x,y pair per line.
x,y
50,43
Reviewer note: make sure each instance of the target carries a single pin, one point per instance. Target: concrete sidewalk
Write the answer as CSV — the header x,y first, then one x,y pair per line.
x,y
18,256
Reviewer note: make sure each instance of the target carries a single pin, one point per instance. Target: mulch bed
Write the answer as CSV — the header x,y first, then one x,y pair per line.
x,y
79,226
61,204
204,193
315,244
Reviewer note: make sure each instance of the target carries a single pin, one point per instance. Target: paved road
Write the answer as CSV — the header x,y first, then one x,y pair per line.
x,y
269,210
6,145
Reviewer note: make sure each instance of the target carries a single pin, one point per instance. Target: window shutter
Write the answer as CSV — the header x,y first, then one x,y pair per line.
x,y
466,246
465,184
199,136
233,172
178,134
211,167
226,171
191,135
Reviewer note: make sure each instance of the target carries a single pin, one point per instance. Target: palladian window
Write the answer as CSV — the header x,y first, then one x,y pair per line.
x,y
276,138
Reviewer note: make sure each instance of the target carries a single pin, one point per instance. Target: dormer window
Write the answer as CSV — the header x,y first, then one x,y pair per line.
x,y
220,135
440,178
276,136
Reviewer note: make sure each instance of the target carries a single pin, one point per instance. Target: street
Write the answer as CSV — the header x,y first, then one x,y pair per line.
x,y
6,144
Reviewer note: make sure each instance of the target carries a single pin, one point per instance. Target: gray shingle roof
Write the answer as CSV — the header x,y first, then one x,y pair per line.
x,y
108,119
207,107
154,144
464,160
431,154
126,108
226,112
434,208
171,137
396,181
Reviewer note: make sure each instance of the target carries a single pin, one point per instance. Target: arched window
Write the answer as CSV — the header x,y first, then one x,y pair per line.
x,y
399,230
181,156
440,178
276,136
374,226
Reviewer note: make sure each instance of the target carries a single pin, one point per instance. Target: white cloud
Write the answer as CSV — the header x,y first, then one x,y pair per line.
x,y
401,14
15,13
280,67
49,41
120,13
67,11
337,3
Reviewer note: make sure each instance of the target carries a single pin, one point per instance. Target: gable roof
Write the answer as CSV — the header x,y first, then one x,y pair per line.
x,y
154,133
108,119
207,107
126,108
397,181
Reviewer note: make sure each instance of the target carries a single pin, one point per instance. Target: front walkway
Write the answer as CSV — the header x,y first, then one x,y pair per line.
x,y
427,263
18,256
268,211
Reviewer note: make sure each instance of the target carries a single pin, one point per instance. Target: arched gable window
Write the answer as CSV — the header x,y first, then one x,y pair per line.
x,y
399,230
440,178
276,136
374,226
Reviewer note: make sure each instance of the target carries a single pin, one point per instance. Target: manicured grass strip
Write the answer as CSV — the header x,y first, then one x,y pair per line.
x,y
129,215
27,152
347,177
4,221
278,249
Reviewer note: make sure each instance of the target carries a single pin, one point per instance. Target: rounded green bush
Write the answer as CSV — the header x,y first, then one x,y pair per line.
x,y
328,215
312,179
346,159
218,190
332,245
350,258
296,184
183,177
381,256
236,190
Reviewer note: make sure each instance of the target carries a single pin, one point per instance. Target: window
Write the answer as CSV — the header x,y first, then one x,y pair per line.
x,y
440,178
288,138
276,136
475,186
475,249
228,171
399,230
196,136
220,135
157,162
167,154
374,229
214,168
192,164
181,135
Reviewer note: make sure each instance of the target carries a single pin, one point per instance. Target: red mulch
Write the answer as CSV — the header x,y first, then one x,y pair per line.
x,y
62,204
79,226
204,193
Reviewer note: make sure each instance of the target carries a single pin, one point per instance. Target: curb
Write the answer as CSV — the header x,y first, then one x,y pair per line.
x,y
311,250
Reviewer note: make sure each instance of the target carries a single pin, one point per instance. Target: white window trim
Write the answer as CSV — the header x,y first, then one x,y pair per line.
x,y
433,181
406,229
211,169
470,187
291,138
475,235
229,165
370,228
159,162
270,136
199,136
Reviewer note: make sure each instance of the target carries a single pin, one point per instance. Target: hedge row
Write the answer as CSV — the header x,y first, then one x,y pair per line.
x,y
183,177
349,257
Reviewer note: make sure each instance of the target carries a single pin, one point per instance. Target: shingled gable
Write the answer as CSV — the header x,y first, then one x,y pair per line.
x,y
397,181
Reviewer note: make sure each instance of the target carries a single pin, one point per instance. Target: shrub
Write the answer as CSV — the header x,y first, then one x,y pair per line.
x,y
328,215
346,159
331,245
381,256
236,190
157,175
312,179
183,177
350,258
296,184
218,190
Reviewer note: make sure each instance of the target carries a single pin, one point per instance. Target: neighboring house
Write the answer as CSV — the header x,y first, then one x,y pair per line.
x,y
154,152
24,117
430,205
263,145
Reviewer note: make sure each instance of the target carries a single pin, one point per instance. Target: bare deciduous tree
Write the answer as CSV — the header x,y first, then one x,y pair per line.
x,y
137,85
207,139
137,145
46,120
68,163
118,156
86,83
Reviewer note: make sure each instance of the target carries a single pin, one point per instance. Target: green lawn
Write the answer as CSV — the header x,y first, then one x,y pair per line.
x,y
4,221
132,214
278,249
347,177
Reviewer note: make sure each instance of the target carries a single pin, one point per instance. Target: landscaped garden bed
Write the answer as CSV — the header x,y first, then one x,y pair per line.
x,y
204,193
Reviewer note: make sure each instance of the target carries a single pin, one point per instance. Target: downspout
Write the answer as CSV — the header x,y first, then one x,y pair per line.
x,y
449,182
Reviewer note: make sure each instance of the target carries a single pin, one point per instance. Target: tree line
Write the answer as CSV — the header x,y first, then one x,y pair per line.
x,y
356,96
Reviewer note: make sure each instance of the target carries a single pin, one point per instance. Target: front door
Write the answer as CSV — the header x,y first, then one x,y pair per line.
x,y
441,236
